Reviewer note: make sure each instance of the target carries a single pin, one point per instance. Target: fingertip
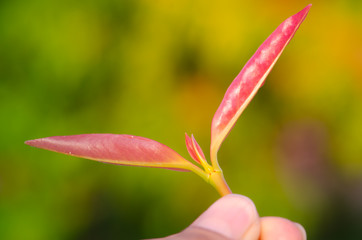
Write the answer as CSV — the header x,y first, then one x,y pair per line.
x,y
301,228
233,216
280,228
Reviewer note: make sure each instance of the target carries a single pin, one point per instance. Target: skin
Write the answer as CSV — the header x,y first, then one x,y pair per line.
x,y
234,217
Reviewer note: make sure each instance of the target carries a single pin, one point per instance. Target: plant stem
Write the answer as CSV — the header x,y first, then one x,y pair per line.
x,y
217,180
199,172
214,177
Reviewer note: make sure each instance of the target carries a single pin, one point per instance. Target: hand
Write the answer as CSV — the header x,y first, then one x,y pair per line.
x,y
234,217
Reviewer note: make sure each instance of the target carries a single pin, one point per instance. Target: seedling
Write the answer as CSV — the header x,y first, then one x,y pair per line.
x,y
138,151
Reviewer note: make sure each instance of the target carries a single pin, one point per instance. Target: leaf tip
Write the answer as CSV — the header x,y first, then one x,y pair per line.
x,y
31,142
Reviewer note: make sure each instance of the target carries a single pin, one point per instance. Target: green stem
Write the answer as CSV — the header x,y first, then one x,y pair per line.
x,y
214,177
199,172
217,180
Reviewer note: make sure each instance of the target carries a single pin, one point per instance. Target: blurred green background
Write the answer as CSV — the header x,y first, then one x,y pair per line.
x,y
159,68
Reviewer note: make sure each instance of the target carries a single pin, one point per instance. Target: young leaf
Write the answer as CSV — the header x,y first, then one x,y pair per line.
x,y
250,79
194,149
116,149
197,148
190,148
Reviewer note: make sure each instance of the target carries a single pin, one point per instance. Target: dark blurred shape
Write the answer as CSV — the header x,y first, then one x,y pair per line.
x,y
304,147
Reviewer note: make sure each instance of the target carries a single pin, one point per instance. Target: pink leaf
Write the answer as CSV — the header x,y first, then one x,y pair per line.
x,y
115,149
190,148
197,147
194,149
251,77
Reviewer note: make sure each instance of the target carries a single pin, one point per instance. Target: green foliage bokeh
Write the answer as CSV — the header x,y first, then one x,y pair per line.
x,y
158,69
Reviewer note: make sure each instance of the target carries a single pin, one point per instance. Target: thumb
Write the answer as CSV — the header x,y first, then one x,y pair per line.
x,y
233,216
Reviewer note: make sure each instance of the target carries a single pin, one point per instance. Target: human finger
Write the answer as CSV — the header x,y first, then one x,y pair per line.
x,y
277,228
233,216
